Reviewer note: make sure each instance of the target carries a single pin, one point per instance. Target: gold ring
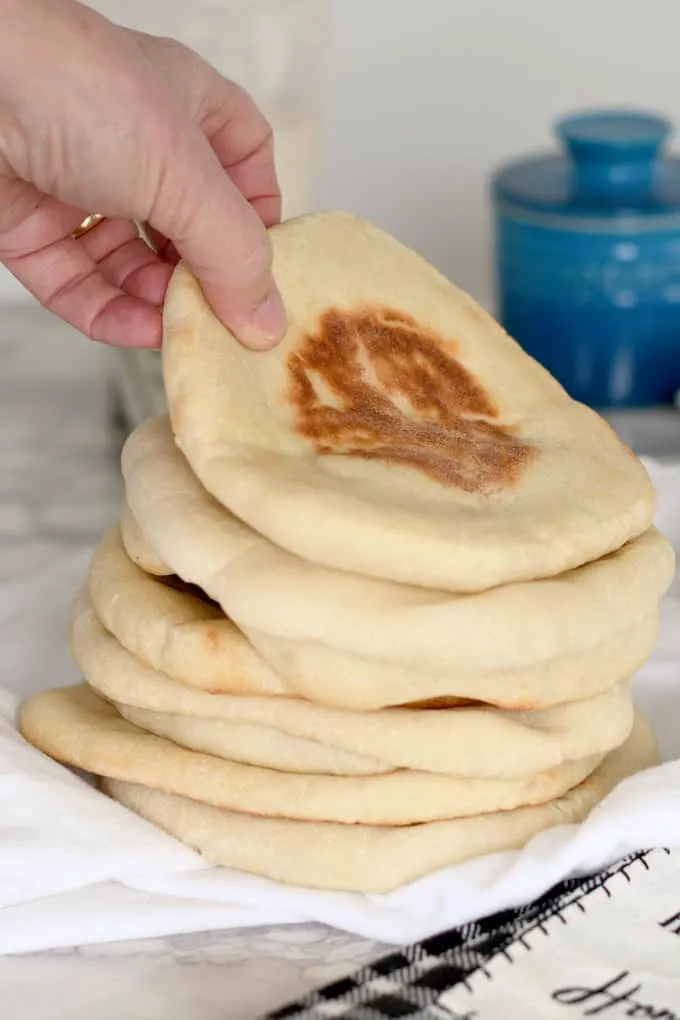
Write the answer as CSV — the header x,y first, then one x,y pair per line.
x,y
88,224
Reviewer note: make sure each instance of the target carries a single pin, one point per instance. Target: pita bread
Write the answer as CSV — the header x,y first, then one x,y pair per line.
x,y
331,677
471,741
397,417
173,630
252,744
266,590
78,728
360,858
138,549
115,674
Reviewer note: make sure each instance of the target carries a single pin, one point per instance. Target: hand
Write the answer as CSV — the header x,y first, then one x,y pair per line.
x,y
97,118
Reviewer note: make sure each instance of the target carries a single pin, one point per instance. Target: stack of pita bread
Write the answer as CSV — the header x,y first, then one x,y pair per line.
x,y
376,597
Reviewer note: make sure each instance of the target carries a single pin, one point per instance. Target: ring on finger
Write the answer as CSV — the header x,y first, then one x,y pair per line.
x,y
88,224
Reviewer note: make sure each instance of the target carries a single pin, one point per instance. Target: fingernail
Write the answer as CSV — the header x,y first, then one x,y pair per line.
x,y
267,324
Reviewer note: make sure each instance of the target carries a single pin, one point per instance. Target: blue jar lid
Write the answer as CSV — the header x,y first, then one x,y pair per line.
x,y
612,164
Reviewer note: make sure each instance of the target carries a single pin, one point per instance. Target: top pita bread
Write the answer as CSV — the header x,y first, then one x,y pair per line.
x,y
397,431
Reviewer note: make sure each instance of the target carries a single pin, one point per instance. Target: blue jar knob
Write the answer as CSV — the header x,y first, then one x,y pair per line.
x,y
613,155
588,258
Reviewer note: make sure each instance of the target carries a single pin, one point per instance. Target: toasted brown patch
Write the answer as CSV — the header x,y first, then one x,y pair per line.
x,y
375,384
212,637
451,702
439,703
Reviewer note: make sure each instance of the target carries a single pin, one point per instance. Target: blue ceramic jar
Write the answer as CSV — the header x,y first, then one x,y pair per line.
x,y
588,259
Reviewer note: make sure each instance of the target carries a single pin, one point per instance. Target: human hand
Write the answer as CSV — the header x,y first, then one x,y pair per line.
x,y
97,118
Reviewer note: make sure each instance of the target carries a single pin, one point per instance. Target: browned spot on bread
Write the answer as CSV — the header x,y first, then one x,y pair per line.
x,y
451,702
445,701
373,383
212,637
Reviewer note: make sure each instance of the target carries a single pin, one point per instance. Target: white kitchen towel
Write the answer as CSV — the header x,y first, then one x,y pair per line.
x,y
77,868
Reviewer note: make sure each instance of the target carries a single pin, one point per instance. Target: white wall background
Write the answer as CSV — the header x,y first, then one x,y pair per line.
x,y
423,98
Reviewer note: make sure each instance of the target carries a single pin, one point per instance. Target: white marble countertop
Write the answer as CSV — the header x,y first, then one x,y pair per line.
x,y
59,488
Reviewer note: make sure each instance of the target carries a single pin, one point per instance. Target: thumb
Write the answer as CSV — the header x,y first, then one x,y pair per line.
x,y
220,236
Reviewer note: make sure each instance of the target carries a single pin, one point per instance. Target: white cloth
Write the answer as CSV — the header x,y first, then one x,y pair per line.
x,y
77,868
